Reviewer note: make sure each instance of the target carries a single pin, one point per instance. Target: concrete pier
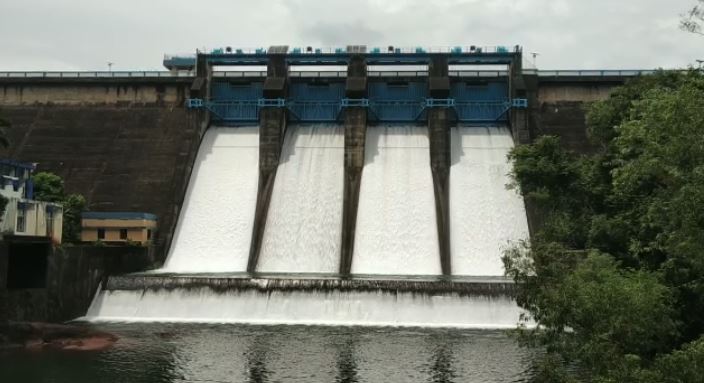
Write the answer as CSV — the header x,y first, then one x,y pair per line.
x,y
519,117
272,128
439,135
355,134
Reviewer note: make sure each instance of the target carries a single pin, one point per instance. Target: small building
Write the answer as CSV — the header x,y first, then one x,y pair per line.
x,y
117,227
24,216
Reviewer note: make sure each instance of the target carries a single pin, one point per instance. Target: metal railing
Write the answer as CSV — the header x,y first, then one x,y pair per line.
x,y
102,74
590,72
387,49
314,74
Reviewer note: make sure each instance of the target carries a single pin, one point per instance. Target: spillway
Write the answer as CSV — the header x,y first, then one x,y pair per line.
x,y
215,225
484,216
303,227
396,255
427,303
396,231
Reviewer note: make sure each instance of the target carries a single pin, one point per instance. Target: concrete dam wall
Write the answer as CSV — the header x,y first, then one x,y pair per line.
x,y
124,146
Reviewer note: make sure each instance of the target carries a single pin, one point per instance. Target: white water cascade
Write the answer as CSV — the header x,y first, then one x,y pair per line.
x,y
396,225
215,225
396,234
304,223
485,217
310,308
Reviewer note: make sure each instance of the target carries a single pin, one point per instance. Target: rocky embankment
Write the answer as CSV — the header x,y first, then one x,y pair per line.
x,y
37,336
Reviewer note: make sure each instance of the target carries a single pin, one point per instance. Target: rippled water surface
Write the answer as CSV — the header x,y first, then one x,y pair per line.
x,y
229,353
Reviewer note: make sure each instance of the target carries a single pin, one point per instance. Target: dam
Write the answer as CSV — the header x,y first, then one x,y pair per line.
x,y
402,187
341,198
365,196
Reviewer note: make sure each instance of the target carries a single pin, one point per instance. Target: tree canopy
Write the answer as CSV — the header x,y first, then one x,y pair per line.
x,y
615,273
50,187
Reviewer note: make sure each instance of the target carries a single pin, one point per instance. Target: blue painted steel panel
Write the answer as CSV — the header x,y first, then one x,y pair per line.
x,y
194,103
439,102
389,101
519,103
234,111
316,101
490,90
481,102
482,111
221,91
235,101
350,102
397,101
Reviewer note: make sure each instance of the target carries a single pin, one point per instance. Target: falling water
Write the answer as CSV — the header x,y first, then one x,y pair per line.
x,y
303,227
215,225
484,216
396,232
334,307
396,225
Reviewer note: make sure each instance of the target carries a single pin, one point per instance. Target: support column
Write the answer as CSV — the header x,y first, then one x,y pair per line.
x,y
272,127
355,138
519,117
199,122
439,135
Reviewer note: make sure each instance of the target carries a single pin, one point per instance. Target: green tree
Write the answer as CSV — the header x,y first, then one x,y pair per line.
x,y
615,274
50,187
74,205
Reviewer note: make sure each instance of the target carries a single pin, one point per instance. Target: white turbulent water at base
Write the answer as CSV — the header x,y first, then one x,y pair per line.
x,y
396,227
485,217
311,308
304,222
215,226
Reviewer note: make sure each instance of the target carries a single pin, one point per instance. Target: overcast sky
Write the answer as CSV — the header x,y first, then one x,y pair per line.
x,y
134,34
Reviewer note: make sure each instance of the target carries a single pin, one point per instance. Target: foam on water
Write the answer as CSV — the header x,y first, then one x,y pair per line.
x,y
364,308
396,227
215,225
484,216
304,223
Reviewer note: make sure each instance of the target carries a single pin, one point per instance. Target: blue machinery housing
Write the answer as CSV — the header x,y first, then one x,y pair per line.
x,y
389,99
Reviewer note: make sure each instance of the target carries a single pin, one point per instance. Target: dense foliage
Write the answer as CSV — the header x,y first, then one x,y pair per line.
x,y
50,187
614,275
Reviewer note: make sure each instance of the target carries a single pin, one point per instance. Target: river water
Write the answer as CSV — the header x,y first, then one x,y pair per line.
x,y
234,353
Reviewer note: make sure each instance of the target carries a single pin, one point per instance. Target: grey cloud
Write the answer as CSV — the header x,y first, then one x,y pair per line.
x,y
85,34
340,34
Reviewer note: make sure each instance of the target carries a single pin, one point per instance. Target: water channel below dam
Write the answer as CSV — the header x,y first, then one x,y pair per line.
x,y
162,352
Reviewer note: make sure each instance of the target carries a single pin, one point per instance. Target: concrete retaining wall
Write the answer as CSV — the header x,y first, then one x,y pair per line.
x,y
73,277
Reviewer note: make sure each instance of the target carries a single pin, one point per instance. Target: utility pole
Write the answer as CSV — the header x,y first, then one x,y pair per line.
x,y
700,62
535,55
110,66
